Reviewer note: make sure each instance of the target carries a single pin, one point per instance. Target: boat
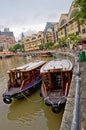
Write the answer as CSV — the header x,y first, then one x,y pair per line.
x,y
46,54
23,80
29,57
56,80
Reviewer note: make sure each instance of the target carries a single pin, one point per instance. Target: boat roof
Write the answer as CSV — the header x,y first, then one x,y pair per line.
x,y
29,66
63,65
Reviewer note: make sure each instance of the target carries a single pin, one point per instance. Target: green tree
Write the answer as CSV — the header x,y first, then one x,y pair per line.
x,y
1,48
56,46
62,42
48,45
11,49
41,46
17,47
75,39
82,9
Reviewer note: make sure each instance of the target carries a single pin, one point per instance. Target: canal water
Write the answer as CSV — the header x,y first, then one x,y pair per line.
x,y
25,114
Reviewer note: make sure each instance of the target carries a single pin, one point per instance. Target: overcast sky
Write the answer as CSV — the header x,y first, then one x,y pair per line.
x,y
31,15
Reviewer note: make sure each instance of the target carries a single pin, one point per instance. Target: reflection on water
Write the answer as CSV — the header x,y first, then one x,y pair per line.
x,y
28,114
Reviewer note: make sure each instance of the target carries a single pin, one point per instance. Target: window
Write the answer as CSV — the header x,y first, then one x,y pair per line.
x,y
33,38
77,33
72,27
63,22
27,40
83,30
39,36
61,33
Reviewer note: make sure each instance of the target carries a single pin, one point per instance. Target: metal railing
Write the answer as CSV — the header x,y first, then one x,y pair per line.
x,y
76,122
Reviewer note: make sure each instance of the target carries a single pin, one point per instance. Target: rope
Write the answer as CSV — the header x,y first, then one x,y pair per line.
x,y
36,101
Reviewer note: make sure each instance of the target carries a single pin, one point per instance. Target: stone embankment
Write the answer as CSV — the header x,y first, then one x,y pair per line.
x,y
6,55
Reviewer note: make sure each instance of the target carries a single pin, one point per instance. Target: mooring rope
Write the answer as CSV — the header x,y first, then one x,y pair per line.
x,y
36,101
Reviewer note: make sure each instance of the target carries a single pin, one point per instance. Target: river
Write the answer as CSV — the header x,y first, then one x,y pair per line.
x,y
24,114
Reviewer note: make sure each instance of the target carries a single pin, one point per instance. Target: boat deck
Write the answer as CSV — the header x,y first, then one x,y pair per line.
x,y
57,96
13,90
29,66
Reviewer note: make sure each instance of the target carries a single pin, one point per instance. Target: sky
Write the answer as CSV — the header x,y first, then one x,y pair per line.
x,y
30,16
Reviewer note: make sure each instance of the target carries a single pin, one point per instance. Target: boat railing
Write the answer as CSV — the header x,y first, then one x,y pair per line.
x,y
76,121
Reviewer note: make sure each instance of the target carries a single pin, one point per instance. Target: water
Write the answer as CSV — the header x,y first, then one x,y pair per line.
x,y
25,114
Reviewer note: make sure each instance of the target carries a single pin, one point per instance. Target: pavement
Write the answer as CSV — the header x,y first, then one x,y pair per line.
x,y
68,112
83,94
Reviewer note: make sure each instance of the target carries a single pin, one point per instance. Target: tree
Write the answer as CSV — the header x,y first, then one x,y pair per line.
x,y
81,4
75,39
1,48
11,49
17,47
48,45
62,42
41,46
56,46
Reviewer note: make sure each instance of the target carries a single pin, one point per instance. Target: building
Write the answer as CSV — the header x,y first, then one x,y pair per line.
x,y
49,33
31,43
68,26
7,39
54,31
49,37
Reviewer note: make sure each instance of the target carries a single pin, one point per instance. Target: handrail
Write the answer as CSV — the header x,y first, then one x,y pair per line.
x,y
76,122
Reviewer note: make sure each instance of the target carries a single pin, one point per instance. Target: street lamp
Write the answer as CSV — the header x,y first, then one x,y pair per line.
x,y
68,43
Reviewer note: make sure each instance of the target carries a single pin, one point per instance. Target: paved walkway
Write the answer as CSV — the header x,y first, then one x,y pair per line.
x,y
83,95
68,114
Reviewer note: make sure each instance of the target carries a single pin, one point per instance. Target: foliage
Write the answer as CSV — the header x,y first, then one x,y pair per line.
x,y
11,49
41,46
74,13
75,39
62,42
17,47
46,46
82,9
1,48
56,46
72,39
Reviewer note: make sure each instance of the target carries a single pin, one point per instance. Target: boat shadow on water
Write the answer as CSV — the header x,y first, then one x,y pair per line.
x,y
22,109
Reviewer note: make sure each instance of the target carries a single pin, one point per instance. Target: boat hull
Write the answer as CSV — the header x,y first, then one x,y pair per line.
x,y
57,101
26,91
55,97
56,79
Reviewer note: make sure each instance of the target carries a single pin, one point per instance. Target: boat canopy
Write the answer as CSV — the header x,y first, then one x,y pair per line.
x,y
28,66
63,65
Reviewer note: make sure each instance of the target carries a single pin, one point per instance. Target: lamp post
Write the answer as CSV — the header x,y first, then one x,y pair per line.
x,y
68,43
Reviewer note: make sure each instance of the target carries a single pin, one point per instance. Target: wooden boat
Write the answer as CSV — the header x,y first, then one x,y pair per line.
x,y
56,79
23,81
46,54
